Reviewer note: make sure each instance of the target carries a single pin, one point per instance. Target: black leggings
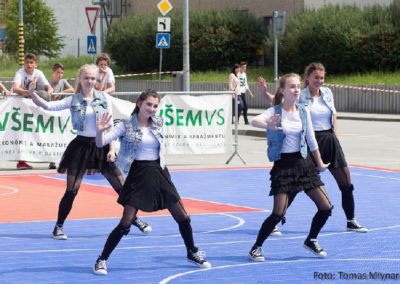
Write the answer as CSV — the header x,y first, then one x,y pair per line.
x,y
177,211
113,175
281,203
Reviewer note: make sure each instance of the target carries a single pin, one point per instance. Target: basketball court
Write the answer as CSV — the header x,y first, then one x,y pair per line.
x,y
227,207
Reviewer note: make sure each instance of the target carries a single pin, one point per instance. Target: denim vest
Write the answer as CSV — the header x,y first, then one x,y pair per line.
x,y
79,105
132,139
275,137
327,97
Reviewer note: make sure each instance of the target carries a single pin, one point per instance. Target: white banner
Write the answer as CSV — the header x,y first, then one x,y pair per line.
x,y
195,125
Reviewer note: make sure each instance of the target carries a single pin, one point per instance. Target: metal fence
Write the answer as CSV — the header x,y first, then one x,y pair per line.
x,y
378,99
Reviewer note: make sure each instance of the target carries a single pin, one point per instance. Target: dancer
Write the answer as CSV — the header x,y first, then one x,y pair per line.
x,y
289,131
82,156
148,186
319,100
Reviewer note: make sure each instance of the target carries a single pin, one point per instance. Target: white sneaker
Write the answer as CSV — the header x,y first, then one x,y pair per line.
x,y
276,232
100,267
58,234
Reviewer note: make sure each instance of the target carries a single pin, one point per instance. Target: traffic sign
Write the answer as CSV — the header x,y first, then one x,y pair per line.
x,y
164,7
163,40
163,24
91,44
92,14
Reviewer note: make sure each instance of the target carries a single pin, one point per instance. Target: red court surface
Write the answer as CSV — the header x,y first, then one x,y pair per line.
x,y
25,198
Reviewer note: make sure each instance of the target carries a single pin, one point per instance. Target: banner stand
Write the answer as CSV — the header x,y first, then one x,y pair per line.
x,y
236,144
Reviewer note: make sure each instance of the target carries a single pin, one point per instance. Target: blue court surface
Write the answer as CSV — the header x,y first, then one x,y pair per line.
x,y
29,255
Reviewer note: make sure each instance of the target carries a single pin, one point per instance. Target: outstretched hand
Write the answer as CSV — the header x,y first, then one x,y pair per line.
x,y
273,123
104,122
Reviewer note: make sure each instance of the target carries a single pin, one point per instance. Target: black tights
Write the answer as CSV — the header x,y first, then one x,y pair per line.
x,y
343,180
281,203
178,213
113,175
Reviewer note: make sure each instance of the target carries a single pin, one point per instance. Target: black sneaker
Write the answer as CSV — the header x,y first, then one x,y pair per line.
x,y
313,246
257,254
100,267
52,166
198,258
144,227
58,234
353,225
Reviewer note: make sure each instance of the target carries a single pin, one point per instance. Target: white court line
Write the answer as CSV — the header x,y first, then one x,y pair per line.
x,y
373,176
240,223
201,244
172,277
13,190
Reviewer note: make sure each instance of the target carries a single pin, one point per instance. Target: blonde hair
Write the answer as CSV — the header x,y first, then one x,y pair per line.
x,y
282,83
84,68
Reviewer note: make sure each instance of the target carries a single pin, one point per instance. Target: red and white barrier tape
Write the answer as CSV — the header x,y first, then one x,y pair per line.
x,y
363,88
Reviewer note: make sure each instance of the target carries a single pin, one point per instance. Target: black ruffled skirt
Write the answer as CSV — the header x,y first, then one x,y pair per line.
x,y
292,174
83,156
148,187
330,149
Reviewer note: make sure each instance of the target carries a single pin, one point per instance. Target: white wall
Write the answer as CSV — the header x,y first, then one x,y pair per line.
x,y
316,4
73,25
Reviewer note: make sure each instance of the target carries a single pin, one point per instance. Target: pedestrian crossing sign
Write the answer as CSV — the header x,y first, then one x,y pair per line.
x,y
163,40
91,44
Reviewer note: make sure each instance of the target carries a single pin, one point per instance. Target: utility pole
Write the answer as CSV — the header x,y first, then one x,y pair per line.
x,y
21,39
186,62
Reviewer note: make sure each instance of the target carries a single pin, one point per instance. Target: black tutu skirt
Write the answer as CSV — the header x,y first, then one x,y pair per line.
x,y
83,156
148,187
292,174
330,149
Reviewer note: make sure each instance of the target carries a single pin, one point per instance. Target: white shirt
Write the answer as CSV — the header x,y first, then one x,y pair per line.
x,y
109,76
320,114
90,126
149,149
24,79
243,86
291,125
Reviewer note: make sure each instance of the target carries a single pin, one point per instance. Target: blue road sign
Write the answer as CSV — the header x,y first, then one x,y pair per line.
x,y
163,40
91,44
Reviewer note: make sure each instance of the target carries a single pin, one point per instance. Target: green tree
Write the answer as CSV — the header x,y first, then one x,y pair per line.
x,y
40,28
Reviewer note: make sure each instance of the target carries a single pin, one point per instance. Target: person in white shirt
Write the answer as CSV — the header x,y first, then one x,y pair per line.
x,y
82,156
234,85
289,133
22,80
244,89
105,80
319,100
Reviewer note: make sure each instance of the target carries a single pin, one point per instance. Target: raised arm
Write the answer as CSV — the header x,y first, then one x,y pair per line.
x,y
262,89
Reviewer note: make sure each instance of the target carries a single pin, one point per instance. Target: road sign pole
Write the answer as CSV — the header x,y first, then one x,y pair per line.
x,y
160,67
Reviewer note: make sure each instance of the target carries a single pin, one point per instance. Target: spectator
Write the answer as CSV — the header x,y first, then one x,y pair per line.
x,y
22,79
244,89
105,80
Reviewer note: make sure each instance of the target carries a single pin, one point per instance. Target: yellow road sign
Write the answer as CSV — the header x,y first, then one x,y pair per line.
x,y
164,7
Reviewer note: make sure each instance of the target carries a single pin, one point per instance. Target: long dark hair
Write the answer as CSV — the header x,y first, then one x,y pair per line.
x,y
282,83
143,96
234,67
311,68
